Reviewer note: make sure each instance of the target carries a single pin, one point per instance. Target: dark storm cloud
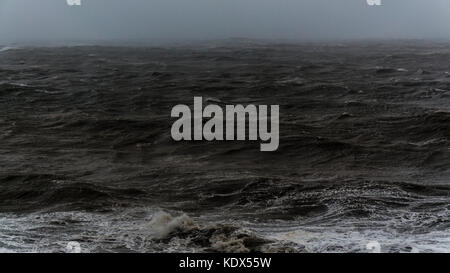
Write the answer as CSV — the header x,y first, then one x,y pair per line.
x,y
156,20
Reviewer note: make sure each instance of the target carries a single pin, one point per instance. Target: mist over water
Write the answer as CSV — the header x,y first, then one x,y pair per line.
x,y
178,20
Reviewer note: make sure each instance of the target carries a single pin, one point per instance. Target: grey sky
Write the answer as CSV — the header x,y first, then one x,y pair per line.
x,y
158,20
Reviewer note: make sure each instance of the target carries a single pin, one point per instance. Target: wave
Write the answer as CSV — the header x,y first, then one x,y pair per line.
x,y
31,192
213,237
7,48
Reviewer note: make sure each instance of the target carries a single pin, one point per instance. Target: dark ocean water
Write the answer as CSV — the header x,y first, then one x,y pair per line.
x,y
86,152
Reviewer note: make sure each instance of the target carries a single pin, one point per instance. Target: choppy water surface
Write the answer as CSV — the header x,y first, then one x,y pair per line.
x,y
86,153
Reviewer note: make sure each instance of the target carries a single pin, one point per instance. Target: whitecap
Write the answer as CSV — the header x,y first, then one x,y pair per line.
x,y
7,48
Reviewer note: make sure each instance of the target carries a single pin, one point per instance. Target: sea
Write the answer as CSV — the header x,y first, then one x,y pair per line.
x,y
87,157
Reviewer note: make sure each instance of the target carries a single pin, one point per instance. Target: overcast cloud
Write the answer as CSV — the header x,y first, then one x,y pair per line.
x,y
160,20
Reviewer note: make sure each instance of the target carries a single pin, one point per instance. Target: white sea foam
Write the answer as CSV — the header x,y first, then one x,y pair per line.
x,y
162,224
345,239
141,230
7,48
